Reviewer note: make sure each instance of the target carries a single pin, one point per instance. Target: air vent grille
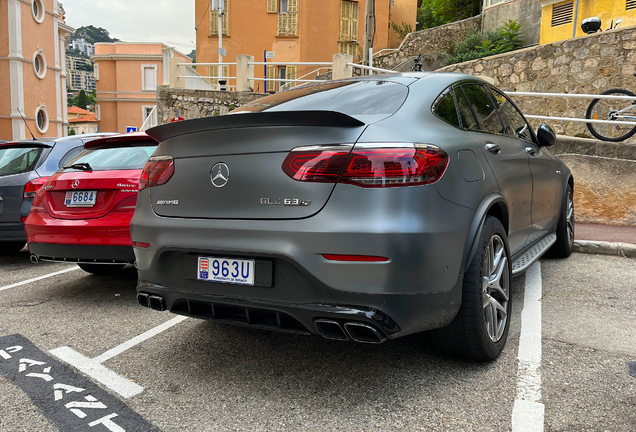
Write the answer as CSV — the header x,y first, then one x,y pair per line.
x,y
562,13
630,4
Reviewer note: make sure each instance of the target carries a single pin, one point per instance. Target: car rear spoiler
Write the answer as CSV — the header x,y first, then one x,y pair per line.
x,y
248,119
24,144
123,140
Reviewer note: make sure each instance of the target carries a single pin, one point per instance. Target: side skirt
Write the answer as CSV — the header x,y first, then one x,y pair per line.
x,y
523,262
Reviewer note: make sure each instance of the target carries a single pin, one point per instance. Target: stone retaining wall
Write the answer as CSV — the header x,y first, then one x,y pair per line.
x,y
589,64
435,44
198,103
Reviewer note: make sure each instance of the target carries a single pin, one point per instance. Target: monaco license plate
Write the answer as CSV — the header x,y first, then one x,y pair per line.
x,y
226,270
80,198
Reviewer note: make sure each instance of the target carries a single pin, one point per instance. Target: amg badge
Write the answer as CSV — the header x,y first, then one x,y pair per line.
x,y
168,202
285,201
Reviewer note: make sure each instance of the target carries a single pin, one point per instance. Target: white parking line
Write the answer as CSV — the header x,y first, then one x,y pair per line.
x,y
17,284
528,412
94,368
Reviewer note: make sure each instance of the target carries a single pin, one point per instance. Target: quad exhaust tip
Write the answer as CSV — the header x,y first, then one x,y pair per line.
x,y
359,332
34,259
152,301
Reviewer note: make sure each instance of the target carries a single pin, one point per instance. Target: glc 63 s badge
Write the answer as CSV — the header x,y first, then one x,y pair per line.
x,y
285,201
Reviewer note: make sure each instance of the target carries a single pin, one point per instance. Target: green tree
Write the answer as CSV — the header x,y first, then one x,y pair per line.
x,y
71,132
82,100
434,13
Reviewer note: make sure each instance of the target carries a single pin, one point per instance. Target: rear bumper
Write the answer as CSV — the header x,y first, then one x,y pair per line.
x,y
418,289
106,254
110,230
10,232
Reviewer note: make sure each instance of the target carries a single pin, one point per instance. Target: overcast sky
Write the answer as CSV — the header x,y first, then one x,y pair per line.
x,y
167,21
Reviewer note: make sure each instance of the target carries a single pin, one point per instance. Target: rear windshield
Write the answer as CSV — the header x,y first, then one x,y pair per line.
x,y
351,98
119,158
18,160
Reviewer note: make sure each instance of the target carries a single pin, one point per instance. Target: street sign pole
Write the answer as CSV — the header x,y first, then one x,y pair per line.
x,y
265,72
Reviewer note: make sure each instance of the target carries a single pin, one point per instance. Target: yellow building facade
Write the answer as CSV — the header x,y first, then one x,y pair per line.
x,y
557,16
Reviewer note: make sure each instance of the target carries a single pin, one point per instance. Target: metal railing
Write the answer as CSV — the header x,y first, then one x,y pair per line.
x,y
575,96
371,68
379,53
306,75
290,63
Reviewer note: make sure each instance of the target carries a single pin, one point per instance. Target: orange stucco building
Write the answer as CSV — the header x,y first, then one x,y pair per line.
x,y
127,76
33,39
295,30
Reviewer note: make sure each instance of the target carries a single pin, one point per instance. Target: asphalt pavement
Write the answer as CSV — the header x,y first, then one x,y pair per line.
x,y
196,375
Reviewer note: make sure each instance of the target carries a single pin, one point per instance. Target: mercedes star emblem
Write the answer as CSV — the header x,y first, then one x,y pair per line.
x,y
219,175
75,184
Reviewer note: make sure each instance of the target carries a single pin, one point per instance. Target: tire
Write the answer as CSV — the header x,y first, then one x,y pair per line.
x,y
7,248
565,229
471,334
102,269
602,109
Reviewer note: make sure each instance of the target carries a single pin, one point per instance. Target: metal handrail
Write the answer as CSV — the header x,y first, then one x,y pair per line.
x,y
371,68
571,95
151,120
207,77
579,120
280,80
290,63
314,71
205,64
384,49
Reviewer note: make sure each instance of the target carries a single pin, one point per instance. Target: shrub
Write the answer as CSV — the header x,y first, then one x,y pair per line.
x,y
506,38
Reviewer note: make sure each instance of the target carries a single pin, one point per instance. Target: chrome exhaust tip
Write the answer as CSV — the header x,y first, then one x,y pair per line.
x,y
142,298
34,259
157,303
330,329
364,333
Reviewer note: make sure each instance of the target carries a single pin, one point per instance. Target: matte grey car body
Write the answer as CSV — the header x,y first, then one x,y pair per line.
x,y
49,155
429,233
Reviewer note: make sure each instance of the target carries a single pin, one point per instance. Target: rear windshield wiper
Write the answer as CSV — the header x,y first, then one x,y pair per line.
x,y
84,166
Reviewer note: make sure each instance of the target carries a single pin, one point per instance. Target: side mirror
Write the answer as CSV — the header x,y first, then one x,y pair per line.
x,y
545,135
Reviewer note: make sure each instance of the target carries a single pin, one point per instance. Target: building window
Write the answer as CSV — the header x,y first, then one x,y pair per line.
x,y
349,13
630,4
37,9
96,71
562,13
218,71
146,110
41,119
214,19
272,6
39,64
288,18
98,112
149,77
348,48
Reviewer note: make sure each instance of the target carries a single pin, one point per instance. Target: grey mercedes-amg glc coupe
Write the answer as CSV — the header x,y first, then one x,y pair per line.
x,y
365,209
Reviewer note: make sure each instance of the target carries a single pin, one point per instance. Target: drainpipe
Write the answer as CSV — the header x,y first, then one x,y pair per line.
x,y
576,16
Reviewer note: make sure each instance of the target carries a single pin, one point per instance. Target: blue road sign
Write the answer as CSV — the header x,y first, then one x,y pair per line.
x,y
131,129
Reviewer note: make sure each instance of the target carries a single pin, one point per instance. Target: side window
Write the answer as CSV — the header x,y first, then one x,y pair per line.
x,y
445,109
465,113
70,155
514,123
484,108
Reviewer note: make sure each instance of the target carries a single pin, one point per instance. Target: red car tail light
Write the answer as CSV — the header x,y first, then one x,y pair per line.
x,y
38,204
32,187
157,171
127,204
369,165
141,244
359,258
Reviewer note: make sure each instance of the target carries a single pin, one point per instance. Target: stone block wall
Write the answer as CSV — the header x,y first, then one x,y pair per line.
x,y
198,103
589,64
435,44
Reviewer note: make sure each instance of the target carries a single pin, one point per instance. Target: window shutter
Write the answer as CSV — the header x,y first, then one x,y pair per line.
x,y
214,71
214,23
272,6
292,6
562,13
345,22
290,72
292,24
282,23
226,71
355,13
271,73
226,18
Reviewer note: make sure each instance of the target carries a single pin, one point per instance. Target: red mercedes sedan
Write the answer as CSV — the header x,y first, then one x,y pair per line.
x,y
82,214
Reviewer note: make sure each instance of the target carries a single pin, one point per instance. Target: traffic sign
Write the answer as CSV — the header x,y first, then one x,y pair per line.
x,y
269,54
222,51
131,129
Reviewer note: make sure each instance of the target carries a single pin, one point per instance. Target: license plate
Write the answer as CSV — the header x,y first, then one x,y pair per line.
x,y
226,270
80,198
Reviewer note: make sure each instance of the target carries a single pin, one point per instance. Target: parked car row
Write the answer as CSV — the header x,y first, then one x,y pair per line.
x,y
363,209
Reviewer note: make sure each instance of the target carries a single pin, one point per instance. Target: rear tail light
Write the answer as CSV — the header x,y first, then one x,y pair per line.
x,y
157,171
141,244
127,204
369,165
32,187
38,204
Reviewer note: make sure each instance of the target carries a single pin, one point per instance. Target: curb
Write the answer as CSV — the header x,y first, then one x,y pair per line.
x,y
626,250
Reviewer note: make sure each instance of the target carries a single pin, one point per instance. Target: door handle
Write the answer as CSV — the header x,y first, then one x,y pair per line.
x,y
493,148
531,151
